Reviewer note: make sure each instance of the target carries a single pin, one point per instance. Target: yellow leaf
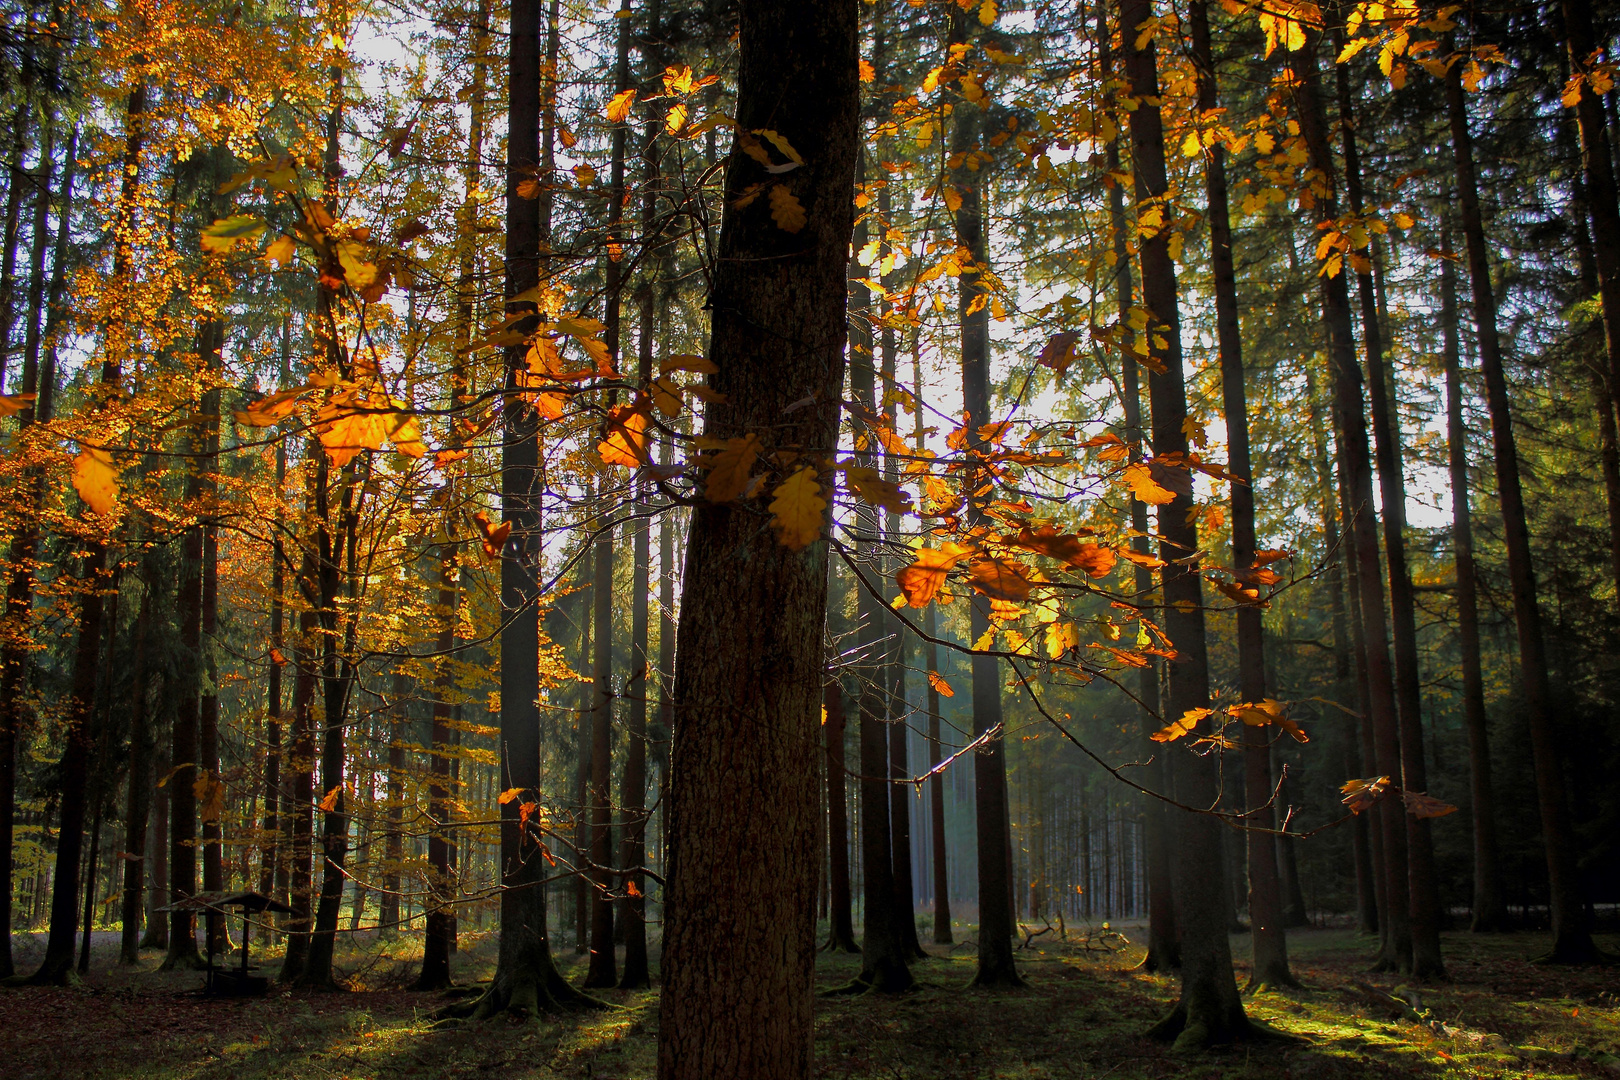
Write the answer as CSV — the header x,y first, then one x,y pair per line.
x,y
406,435
729,470
781,144
1177,728
270,410
12,404
584,175
874,489
280,251
953,199
1190,146
209,792
95,478
1060,638
987,12
346,425
619,107
1142,484
797,510
359,273
675,119
1472,76
785,209
667,396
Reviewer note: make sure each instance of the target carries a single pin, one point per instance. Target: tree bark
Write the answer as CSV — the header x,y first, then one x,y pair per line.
x,y
1355,467
1423,891
1489,913
139,793
1269,936
440,928
1572,937
1209,1009
739,946
841,929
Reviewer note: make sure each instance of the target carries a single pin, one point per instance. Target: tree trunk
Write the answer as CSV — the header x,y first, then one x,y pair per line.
x,y
1355,466
1209,1009
1572,937
1423,891
1489,911
208,701
996,920
157,850
139,794
936,782
526,981
301,759
739,946
840,923
1269,936
435,973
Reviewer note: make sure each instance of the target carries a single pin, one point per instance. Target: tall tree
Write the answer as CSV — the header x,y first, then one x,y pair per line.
x,y
1572,937
739,945
1268,935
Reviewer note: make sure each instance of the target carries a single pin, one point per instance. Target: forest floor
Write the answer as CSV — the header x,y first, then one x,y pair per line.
x,y
1082,1016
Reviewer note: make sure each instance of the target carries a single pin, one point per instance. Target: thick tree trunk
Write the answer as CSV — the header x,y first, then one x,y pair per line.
x,y
1269,937
1355,466
1572,937
739,946
301,761
157,853
1209,1009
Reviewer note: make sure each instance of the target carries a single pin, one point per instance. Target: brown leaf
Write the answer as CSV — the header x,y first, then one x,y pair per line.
x,y
999,578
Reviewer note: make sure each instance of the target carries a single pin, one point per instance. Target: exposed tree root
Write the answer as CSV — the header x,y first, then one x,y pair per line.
x,y
1204,1031
884,979
523,998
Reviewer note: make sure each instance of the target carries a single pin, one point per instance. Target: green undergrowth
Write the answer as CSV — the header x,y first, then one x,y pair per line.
x,y
1083,1015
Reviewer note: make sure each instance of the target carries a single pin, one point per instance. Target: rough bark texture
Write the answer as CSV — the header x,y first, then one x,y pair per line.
x,y
739,942
440,929
138,794
1209,1009
1572,937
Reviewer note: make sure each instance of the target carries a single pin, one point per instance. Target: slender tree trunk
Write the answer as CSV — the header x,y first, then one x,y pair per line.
x,y
302,763
1355,465
1572,937
435,973
840,922
1209,1009
139,794
1489,912
936,783
388,915
1423,890
157,849
739,946
996,917
1269,936
208,701
526,981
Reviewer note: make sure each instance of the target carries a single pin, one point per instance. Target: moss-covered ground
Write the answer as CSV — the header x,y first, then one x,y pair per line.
x,y
1082,1016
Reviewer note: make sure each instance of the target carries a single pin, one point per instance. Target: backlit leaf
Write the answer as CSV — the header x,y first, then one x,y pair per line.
x,y
491,536
619,107
872,488
937,681
922,579
95,478
1142,484
625,440
1184,726
999,578
12,404
224,235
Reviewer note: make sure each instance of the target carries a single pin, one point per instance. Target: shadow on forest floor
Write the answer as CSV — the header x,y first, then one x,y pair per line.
x,y
1082,1017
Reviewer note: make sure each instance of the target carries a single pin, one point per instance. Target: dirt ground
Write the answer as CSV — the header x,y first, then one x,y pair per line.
x,y
1083,1015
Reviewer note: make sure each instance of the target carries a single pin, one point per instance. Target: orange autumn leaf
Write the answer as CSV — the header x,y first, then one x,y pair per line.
x,y
95,478
1142,484
999,578
937,681
1068,548
625,440
922,579
1184,726
492,536
729,470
